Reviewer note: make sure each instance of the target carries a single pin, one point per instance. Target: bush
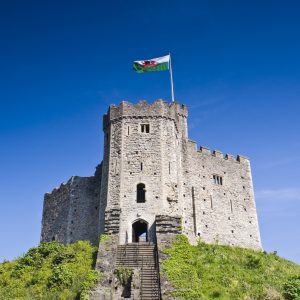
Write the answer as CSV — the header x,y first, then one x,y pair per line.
x,y
50,271
292,288
252,262
61,277
124,275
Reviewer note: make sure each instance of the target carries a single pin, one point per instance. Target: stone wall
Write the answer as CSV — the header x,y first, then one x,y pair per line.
x,y
71,212
219,213
56,214
105,265
167,228
179,182
178,178
152,158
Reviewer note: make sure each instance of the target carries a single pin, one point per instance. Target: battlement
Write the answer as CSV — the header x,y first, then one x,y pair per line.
x,y
153,179
158,108
217,153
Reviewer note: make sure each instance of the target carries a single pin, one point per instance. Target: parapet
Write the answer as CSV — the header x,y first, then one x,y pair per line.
x,y
216,153
242,159
158,108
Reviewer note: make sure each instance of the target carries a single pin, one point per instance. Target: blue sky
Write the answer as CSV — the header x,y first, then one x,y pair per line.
x,y
236,66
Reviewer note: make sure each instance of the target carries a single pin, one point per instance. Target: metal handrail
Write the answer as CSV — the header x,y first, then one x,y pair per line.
x,y
157,270
141,290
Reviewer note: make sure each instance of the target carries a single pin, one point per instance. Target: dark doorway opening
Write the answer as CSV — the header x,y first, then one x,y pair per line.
x,y
140,231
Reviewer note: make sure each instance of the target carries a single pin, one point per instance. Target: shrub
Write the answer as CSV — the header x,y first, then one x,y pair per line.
x,y
61,277
292,288
104,238
252,262
50,271
124,275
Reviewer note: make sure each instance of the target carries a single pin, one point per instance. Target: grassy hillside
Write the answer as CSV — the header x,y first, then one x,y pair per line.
x,y
54,271
231,273
50,271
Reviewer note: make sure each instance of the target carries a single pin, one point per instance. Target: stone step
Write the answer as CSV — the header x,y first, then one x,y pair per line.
x,y
148,252
147,264
137,246
150,292
149,276
149,296
122,254
136,251
137,255
137,260
137,264
140,262
148,283
149,272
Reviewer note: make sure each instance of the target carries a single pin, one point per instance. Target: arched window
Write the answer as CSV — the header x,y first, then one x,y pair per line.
x,y
140,193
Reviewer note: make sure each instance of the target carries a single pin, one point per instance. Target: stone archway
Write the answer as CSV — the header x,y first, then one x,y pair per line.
x,y
140,231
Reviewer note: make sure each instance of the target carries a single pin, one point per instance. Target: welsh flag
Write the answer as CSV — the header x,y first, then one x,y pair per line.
x,y
152,65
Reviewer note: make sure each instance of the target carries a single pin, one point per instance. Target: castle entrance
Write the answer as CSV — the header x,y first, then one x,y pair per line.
x,y
140,231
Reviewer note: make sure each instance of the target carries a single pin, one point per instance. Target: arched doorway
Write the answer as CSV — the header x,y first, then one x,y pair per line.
x,y
140,231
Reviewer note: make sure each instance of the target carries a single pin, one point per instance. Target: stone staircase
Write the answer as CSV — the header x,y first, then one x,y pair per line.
x,y
142,256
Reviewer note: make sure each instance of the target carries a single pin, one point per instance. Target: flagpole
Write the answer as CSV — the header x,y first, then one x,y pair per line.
x,y
171,78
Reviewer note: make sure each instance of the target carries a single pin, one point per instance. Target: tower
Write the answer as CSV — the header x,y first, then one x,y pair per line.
x,y
142,171
153,183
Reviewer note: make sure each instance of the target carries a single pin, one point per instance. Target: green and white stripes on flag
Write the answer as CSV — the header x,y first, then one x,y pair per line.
x,y
152,65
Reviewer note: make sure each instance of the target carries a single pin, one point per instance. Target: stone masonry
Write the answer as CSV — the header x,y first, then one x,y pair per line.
x,y
190,190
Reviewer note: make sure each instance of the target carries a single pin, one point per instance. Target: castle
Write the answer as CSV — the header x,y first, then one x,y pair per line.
x,y
153,183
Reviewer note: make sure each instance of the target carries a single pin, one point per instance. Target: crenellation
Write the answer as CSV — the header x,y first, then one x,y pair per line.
x,y
205,150
158,108
217,153
192,145
153,175
242,159
230,157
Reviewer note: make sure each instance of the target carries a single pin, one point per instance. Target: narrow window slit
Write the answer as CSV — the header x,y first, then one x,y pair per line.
x,y
218,180
194,210
145,128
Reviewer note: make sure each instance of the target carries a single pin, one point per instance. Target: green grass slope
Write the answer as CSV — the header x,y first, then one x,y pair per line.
x,y
50,271
222,272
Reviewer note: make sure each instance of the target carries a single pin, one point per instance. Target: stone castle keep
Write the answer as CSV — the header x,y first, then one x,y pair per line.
x,y
154,183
